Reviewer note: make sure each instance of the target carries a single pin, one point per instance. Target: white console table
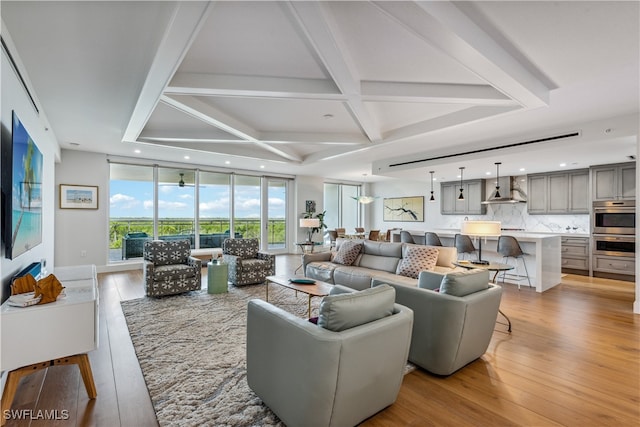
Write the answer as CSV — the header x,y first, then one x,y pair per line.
x,y
58,333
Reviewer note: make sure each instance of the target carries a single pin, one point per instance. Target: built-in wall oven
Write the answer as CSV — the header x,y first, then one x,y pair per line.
x,y
614,239
614,217
610,245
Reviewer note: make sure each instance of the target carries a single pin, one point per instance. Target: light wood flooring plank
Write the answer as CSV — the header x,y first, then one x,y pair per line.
x,y
572,360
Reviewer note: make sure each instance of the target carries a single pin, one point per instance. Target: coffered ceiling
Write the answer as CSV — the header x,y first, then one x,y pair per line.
x,y
337,89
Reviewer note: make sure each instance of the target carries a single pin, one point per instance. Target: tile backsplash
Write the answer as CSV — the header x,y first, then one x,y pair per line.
x,y
516,216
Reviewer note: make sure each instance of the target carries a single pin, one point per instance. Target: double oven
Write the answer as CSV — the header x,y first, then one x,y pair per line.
x,y
614,234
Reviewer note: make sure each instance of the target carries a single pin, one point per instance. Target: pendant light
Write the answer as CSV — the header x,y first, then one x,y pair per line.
x,y
461,196
497,195
432,199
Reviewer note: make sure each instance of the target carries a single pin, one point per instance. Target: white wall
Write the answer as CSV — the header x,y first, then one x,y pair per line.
x,y
83,231
14,98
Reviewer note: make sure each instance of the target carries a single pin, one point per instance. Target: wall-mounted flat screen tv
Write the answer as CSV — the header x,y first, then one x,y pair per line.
x,y
23,199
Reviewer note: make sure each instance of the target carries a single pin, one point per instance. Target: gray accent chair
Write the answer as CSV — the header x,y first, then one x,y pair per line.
x,y
247,265
452,327
170,269
313,376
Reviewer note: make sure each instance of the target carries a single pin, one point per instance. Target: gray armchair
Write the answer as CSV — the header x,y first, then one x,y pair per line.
x,y
310,375
247,265
452,327
170,269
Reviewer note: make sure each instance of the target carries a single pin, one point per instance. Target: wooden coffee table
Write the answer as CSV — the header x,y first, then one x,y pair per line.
x,y
318,289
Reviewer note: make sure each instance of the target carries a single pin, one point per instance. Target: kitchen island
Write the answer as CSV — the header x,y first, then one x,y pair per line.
x,y
542,253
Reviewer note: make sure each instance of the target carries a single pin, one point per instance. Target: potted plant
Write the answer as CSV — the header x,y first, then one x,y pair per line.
x,y
320,217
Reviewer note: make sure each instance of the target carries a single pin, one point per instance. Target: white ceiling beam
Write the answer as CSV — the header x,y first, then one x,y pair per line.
x,y
436,93
185,24
314,138
444,26
237,150
214,117
253,87
417,129
318,26
455,118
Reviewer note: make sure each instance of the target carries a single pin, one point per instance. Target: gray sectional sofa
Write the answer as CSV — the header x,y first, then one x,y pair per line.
x,y
377,260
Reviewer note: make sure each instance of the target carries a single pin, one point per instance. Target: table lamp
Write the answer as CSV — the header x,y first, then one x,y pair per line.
x,y
481,229
309,223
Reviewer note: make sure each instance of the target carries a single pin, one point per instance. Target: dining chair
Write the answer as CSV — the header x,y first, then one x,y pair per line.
x,y
406,237
432,239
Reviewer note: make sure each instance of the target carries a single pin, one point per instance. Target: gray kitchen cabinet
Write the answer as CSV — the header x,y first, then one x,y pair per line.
x,y
474,195
558,193
614,182
537,194
575,255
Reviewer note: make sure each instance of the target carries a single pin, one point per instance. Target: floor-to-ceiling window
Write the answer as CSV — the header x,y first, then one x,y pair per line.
x,y
131,210
176,204
276,213
341,206
214,208
246,206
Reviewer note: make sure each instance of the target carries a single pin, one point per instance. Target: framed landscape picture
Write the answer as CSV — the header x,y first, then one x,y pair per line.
x,y
405,209
78,197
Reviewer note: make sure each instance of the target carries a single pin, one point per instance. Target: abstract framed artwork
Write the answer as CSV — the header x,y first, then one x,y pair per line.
x,y
405,209
78,197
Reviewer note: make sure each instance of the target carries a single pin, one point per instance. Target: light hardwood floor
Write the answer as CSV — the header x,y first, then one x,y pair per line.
x,y
572,359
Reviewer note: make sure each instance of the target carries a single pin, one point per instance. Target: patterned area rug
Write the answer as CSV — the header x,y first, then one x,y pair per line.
x,y
191,349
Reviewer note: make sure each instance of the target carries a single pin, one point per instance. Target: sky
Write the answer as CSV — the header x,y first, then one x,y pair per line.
x,y
134,199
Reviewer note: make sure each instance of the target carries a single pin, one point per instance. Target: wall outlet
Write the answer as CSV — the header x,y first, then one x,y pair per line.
x,y
83,253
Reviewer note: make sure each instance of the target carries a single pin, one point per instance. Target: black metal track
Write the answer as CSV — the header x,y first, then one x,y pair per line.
x,y
482,150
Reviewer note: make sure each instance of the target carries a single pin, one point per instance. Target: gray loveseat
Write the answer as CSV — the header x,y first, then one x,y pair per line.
x,y
377,260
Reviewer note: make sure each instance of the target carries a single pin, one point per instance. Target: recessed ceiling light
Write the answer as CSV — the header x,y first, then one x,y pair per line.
x,y
487,173
328,116
261,166
227,162
522,169
187,157
563,165
137,151
75,144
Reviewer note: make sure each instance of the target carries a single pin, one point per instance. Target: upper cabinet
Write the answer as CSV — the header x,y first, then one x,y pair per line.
x,y
614,182
558,193
474,195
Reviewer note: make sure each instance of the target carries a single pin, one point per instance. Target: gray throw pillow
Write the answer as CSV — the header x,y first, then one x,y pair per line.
x,y
348,253
461,283
345,311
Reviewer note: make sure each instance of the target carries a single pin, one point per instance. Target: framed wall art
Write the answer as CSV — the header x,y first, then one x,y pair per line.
x,y
78,197
404,209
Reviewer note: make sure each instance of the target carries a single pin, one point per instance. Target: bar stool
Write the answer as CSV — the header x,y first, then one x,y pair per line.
x,y
463,244
432,239
509,247
406,237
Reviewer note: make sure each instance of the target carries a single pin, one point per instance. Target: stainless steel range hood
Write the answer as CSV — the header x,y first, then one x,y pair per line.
x,y
510,191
